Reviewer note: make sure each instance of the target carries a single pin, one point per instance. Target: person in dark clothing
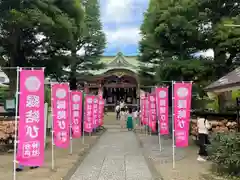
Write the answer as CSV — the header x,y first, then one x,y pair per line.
x,y
203,129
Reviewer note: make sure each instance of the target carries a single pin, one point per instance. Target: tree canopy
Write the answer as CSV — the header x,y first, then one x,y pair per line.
x,y
49,33
174,32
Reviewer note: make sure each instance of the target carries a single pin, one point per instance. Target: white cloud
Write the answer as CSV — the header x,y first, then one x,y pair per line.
x,y
123,36
116,11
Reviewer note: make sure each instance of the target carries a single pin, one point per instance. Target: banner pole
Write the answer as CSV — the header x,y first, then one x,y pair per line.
x,y
16,126
173,130
159,135
53,163
70,123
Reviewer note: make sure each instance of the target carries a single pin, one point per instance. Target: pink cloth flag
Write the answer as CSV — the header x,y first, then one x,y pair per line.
x,y
60,112
142,106
100,93
152,111
95,111
30,151
162,109
101,111
182,105
144,117
88,113
76,113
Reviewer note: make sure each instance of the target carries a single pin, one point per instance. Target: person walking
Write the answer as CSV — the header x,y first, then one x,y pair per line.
x,y
117,110
130,120
203,130
123,117
21,167
136,119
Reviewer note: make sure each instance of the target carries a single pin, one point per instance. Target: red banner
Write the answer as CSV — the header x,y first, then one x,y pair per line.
x,y
76,113
60,113
88,114
30,150
95,112
162,109
182,105
101,112
152,112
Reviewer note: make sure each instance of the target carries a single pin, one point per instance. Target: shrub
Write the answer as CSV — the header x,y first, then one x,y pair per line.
x,y
224,152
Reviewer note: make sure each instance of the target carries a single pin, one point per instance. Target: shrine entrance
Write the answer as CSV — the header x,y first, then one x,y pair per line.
x,y
117,88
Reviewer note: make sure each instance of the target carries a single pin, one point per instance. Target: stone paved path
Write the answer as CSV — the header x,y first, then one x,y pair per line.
x,y
117,156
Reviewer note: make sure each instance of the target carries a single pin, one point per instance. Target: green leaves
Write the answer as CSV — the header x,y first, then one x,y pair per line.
x,y
225,152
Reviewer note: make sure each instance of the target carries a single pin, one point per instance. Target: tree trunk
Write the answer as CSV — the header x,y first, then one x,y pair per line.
x,y
73,78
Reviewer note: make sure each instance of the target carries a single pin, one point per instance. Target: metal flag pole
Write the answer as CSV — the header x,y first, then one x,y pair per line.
x,y
173,130
16,125
53,159
159,135
70,123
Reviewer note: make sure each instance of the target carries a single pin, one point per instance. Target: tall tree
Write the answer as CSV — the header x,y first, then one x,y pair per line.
x,y
223,40
22,24
91,42
167,41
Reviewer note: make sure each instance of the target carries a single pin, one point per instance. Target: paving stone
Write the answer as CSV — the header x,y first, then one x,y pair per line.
x,y
116,156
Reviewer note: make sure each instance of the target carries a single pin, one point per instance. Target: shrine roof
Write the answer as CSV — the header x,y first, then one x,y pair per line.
x,y
118,62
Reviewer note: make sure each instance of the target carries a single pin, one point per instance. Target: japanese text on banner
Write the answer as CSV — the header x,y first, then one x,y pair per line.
x,y
182,105
95,111
162,109
152,112
60,110
76,113
88,114
30,150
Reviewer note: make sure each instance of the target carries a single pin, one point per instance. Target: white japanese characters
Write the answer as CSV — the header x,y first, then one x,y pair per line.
x,y
31,118
181,112
152,111
162,98
76,114
61,111
95,112
88,118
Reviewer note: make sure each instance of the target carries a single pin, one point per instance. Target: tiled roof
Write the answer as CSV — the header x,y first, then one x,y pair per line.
x,y
227,80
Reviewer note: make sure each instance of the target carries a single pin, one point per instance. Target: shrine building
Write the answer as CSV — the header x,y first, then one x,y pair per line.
x,y
118,80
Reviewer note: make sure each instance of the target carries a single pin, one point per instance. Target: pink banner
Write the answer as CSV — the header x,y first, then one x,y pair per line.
x,y
144,117
152,112
60,113
30,150
76,113
162,109
142,107
88,113
100,93
101,112
95,112
182,105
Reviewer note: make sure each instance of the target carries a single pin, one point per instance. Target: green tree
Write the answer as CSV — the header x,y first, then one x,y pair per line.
x,y
22,23
168,45
223,40
91,41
